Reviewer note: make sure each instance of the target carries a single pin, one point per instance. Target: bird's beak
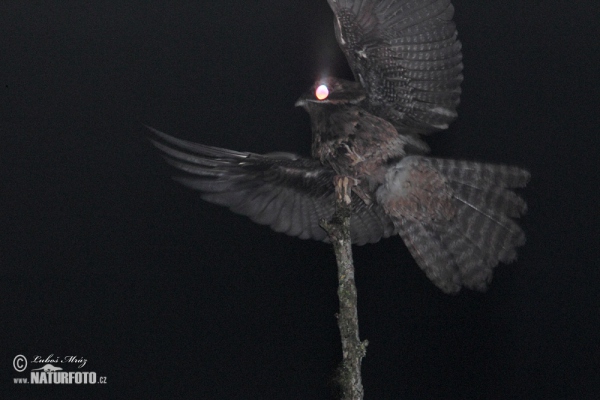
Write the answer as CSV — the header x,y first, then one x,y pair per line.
x,y
300,102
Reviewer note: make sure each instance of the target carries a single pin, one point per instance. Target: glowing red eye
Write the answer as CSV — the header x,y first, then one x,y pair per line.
x,y
322,92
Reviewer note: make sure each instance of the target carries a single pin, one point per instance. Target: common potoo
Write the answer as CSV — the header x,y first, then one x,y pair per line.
x,y
455,217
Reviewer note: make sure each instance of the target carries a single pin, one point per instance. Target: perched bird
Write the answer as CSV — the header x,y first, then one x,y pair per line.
x,y
455,217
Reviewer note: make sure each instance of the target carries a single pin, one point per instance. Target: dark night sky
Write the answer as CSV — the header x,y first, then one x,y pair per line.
x,y
103,256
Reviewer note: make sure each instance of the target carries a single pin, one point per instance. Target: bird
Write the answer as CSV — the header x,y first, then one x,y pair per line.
x,y
458,218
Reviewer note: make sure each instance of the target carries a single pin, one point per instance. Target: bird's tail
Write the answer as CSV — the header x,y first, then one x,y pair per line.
x,y
456,217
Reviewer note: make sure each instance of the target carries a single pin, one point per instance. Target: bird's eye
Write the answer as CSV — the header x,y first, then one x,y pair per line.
x,y
322,92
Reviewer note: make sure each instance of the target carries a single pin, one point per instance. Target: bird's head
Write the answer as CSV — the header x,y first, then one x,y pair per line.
x,y
332,91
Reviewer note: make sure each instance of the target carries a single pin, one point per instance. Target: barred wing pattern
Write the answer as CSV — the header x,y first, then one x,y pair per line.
x,y
289,193
456,217
407,56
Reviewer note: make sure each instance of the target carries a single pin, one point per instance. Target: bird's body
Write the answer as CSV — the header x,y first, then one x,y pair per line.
x,y
352,141
456,217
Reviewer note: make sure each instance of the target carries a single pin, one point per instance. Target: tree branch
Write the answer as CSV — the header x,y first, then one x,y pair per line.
x,y
353,349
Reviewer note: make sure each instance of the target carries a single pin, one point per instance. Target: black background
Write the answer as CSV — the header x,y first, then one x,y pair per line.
x,y
103,256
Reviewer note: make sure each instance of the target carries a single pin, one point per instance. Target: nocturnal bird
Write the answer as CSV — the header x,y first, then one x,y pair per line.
x,y
457,218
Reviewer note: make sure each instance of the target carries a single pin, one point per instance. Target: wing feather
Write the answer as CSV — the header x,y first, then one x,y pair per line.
x,y
289,193
407,56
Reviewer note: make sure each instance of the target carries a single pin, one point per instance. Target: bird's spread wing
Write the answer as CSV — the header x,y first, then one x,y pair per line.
x,y
289,193
406,55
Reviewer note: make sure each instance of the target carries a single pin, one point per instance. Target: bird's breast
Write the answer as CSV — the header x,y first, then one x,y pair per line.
x,y
356,143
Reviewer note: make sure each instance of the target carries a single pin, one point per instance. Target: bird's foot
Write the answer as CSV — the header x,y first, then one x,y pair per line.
x,y
344,185
354,158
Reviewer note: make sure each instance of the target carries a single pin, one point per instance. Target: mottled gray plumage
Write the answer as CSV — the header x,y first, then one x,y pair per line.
x,y
407,57
456,217
289,193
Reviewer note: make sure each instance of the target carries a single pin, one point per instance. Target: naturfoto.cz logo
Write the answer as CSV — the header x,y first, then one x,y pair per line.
x,y
51,374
